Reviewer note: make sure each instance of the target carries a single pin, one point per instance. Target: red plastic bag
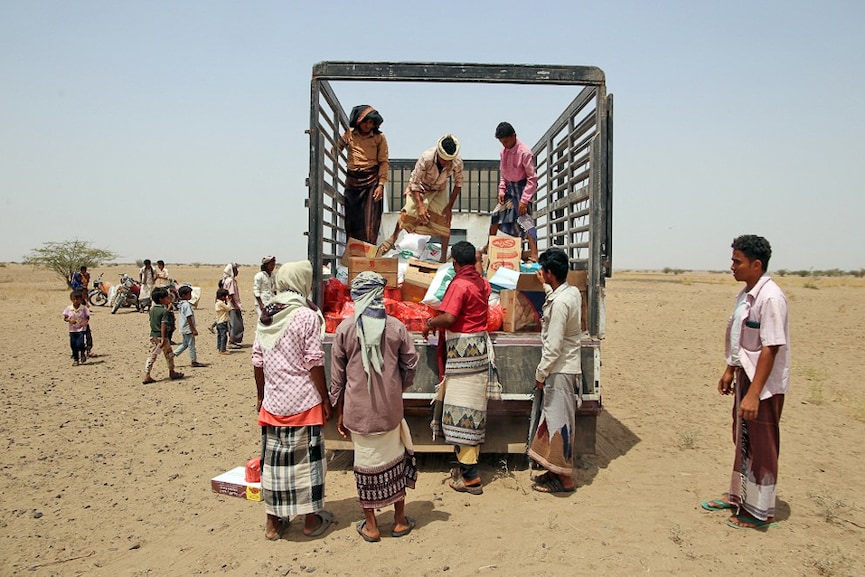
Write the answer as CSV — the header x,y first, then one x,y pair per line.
x,y
253,470
335,295
413,315
495,318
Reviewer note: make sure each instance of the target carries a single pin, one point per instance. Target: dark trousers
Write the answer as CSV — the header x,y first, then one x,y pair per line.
x,y
77,344
221,336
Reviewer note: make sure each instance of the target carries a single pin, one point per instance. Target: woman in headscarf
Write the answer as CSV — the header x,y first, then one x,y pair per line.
x,y
367,173
428,204
235,317
288,361
372,362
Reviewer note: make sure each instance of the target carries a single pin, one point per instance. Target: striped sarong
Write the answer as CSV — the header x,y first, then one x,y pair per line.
x,y
463,391
293,469
758,444
384,465
553,444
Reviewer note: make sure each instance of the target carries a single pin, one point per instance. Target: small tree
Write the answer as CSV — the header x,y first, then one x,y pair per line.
x,y
64,258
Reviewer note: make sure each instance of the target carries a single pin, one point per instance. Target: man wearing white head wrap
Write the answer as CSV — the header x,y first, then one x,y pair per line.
x,y
235,319
372,362
292,403
428,205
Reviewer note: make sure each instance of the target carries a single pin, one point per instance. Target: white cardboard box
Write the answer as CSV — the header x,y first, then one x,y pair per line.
x,y
233,483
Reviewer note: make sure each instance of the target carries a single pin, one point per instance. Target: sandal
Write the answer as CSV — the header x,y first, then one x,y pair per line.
x,y
176,376
745,521
283,525
404,532
326,518
148,380
459,485
359,527
553,486
384,248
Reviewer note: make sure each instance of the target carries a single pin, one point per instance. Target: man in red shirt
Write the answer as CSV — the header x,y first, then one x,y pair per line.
x,y
461,399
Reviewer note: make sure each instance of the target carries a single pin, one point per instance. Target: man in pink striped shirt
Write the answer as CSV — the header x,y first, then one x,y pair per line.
x,y
517,186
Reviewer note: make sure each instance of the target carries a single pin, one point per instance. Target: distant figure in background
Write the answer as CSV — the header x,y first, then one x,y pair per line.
x,y
77,317
188,330
367,174
161,329
517,186
235,319
373,361
223,311
292,405
264,283
428,206
758,368
161,277
147,278
558,376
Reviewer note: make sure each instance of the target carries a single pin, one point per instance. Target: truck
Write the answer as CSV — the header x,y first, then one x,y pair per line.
x,y
573,211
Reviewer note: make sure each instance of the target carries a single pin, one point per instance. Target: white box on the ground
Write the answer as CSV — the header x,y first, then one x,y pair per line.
x,y
233,483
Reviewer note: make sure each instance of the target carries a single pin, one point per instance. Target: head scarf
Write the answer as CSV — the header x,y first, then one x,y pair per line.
x,y
444,154
365,112
293,285
367,292
228,271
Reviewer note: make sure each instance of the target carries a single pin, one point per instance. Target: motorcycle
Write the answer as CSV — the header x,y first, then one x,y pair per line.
x,y
127,294
98,295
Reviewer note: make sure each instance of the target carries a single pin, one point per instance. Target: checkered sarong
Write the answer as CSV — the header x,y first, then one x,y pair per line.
x,y
293,469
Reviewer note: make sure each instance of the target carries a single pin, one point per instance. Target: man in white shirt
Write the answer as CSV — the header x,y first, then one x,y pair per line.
x,y
558,376
757,373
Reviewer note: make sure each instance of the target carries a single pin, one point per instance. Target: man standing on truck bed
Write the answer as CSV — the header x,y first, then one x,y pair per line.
x,y
461,397
558,376
517,186
428,206
757,373
368,167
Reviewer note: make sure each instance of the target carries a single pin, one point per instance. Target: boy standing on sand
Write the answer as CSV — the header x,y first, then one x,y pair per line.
x,y
223,310
187,325
77,316
161,329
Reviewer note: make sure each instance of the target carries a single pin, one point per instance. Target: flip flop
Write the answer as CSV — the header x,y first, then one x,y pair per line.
x,y
176,376
283,525
716,505
148,381
553,486
460,486
752,522
542,478
326,519
404,532
359,526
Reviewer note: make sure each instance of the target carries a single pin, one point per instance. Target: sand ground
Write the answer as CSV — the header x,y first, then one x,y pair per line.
x,y
105,476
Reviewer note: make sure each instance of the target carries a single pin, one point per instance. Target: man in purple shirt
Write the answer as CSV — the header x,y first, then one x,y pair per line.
x,y
517,187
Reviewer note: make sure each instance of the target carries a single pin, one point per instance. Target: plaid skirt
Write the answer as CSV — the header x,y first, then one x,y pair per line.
x,y
292,470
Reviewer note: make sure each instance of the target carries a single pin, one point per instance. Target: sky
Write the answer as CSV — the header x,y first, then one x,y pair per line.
x,y
175,130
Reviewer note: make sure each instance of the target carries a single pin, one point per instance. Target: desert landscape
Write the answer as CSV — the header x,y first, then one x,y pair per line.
x,y
104,476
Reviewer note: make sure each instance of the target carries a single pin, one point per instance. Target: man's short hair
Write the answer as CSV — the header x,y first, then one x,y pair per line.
x,y
754,248
464,253
505,129
555,260
160,262
184,290
158,294
221,293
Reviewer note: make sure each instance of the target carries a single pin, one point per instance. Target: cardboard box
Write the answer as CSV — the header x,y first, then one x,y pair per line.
x,y
503,251
386,267
415,283
357,248
233,483
521,310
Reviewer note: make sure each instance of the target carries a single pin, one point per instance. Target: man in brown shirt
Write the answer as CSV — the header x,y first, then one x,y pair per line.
x,y
372,362
368,168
